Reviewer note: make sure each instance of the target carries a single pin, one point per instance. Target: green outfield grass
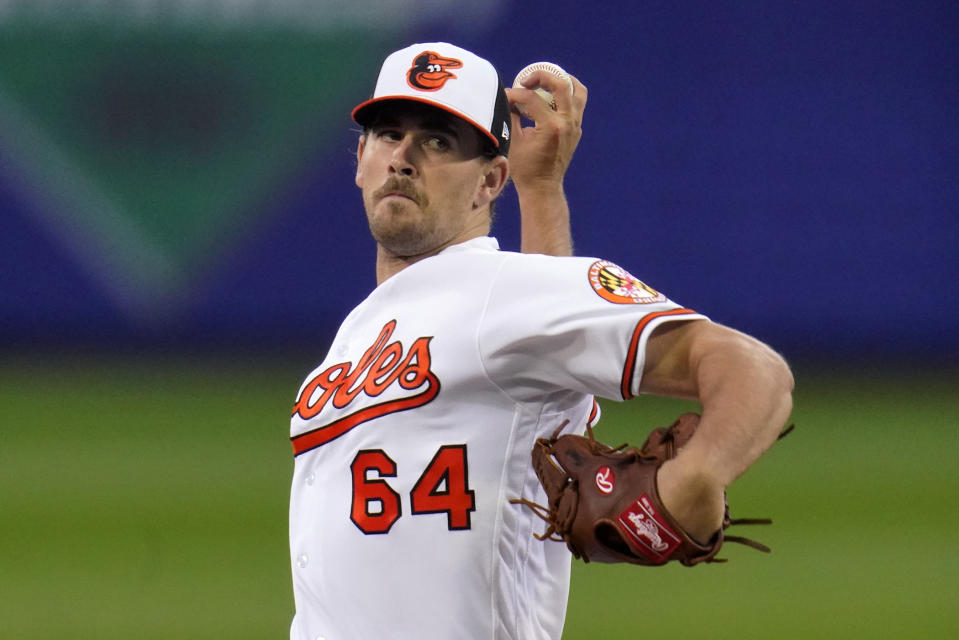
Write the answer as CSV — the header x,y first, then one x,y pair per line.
x,y
148,499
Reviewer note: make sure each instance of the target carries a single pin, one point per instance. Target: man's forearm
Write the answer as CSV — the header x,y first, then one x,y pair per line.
x,y
746,397
745,390
544,216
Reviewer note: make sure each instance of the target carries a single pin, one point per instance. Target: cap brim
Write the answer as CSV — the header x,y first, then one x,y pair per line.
x,y
362,113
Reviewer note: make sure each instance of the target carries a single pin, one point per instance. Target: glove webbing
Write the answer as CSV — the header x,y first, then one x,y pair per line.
x,y
544,513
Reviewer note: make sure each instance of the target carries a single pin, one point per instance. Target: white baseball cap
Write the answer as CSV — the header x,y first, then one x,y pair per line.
x,y
448,77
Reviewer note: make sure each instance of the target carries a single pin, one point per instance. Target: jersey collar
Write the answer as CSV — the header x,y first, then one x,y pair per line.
x,y
482,243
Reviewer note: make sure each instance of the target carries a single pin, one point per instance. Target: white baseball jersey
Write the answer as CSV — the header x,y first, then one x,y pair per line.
x,y
415,432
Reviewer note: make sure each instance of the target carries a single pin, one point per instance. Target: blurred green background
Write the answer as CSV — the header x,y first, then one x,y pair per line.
x,y
147,498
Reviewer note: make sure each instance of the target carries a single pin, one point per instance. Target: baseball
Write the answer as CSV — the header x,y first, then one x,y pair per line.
x,y
549,67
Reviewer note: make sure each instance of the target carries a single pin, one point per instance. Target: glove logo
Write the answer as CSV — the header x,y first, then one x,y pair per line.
x,y
648,531
430,71
605,480
645,527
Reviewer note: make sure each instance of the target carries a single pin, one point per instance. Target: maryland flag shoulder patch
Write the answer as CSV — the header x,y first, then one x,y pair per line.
x,y
612,282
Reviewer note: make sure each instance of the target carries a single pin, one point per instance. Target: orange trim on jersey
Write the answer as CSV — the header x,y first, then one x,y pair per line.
x,y
592,413
626,387
317,437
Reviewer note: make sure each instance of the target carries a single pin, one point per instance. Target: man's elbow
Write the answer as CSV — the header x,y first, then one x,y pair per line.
x,y
781,383
766,371
755,355
779,372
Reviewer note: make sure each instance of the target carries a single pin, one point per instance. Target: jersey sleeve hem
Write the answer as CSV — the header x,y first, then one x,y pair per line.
x,y
636,353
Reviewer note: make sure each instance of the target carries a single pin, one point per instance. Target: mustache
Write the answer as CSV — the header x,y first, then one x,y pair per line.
x,y
395,184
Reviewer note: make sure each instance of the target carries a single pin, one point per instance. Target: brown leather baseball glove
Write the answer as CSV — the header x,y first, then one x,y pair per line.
x,y
603,502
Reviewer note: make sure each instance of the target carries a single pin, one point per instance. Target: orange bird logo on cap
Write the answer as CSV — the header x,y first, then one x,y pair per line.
x,y
430,71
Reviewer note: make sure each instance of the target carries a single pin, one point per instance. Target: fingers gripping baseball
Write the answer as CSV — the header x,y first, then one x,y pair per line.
x,y
555,105
547,80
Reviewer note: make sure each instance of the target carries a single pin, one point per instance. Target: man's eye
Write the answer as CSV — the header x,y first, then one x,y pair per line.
x,y
387,134
437,143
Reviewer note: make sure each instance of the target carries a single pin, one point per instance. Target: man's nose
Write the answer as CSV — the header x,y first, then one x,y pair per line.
x,y
402,161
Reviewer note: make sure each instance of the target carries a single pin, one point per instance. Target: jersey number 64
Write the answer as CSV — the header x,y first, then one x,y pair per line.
x,y
443,487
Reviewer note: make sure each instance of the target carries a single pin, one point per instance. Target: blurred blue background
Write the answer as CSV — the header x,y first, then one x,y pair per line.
x,y
179,174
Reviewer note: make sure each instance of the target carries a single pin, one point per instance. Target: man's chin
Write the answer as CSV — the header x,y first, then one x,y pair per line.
x,y
399,226
399,240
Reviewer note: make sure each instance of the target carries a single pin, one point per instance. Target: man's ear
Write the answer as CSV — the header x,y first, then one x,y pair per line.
x,y
493,180
360,146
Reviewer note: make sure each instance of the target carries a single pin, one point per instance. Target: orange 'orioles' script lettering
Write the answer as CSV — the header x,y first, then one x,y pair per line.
x,y
380,366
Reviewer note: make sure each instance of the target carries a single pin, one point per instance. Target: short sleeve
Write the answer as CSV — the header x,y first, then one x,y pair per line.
x,y
553,324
